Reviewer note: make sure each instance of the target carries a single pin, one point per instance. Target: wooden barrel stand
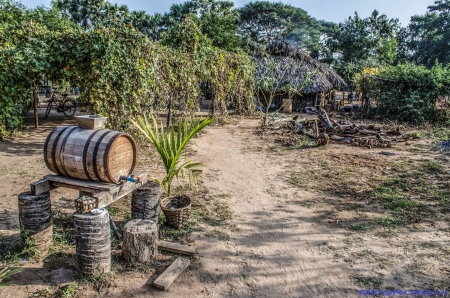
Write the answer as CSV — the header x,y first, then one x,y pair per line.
x,y
98,163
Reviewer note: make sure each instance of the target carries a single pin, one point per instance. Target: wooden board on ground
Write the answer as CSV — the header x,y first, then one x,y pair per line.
x,y
164,281
176,248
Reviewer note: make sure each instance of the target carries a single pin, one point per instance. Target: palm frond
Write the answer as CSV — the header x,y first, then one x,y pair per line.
x,y
7,272
170,146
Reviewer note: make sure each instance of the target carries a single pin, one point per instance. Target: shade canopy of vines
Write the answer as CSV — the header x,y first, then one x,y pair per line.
x,y
119,71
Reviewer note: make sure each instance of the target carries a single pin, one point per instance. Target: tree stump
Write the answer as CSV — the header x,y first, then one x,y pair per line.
x,y
92,233
140,241
146,202
35,216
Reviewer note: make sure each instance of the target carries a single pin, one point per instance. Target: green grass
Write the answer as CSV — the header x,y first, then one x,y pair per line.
x,y
10,250
361,228
221,235
69,291
394,194
63,235
369,281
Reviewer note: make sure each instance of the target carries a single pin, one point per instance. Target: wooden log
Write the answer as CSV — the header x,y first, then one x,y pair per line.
x,y
93,243
165,280
176,248
146,202
316,129
115,229
323,117
35,217
336,123
140,241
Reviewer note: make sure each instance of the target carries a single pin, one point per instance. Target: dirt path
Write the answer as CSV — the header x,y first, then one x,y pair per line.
x,y
282,241
277,250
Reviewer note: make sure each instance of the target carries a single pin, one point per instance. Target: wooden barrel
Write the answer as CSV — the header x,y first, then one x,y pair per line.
x,y
101,155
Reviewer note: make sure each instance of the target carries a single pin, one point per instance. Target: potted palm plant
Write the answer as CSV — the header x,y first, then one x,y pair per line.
x,y
170,145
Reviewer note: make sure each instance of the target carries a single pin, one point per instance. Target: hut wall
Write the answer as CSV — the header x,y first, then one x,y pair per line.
x,y
298,102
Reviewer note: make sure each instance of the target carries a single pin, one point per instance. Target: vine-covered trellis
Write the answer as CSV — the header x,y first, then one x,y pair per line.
x,y
120,72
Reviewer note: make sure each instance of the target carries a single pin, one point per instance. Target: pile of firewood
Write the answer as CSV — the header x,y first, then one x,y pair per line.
x,y
327,128
341,129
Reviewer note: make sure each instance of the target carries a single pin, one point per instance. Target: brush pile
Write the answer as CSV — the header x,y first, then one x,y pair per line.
x,y
326,128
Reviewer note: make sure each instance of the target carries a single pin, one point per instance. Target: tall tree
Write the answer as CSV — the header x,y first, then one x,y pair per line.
x,y
86,13
358,39
217,19
264,22
357,43
428,35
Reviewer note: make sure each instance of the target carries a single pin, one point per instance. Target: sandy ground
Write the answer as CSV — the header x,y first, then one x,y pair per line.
x,y
278,245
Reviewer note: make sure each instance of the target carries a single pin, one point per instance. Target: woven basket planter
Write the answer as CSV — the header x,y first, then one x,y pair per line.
x,y
177,210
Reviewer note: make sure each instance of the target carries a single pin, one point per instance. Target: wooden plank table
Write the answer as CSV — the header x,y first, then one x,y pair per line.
x,y
103,194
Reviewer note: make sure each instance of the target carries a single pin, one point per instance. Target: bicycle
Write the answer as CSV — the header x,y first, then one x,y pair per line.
x,y
66,105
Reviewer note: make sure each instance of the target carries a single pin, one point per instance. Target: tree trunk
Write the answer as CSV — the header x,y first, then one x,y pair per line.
x,y
140,241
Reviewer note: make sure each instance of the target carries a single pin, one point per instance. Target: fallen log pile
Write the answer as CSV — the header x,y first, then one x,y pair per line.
x,y
327,128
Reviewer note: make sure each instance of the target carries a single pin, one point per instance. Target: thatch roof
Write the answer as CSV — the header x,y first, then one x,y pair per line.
x,y
287,64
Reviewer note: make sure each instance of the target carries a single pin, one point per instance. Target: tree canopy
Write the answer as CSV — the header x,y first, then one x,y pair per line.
x,y
262,22
428,35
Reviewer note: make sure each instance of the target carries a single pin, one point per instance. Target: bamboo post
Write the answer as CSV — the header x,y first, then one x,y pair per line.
x,y
35,105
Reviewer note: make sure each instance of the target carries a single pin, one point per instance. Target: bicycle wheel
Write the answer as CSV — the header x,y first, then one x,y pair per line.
x,y
69,107
49,107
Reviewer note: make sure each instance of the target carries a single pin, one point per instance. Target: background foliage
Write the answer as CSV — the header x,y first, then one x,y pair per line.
x,y
406,92
129,62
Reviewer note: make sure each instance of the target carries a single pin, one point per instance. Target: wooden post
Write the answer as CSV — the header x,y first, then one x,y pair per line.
x,y
92,234
140,241
35,105
35,216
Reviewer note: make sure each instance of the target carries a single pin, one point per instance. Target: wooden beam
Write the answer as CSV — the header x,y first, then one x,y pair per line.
x,y
106,198
40,187
165,280
176,248
83,185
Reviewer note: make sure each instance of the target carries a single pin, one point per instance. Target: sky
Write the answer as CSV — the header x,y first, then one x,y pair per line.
x,y
329,10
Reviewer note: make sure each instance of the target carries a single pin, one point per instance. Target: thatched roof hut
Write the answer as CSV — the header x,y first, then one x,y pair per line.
x,y
289,65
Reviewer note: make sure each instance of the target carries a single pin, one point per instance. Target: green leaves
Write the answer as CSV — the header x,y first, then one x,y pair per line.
x,y
7,272
170,146
264,22
410,92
